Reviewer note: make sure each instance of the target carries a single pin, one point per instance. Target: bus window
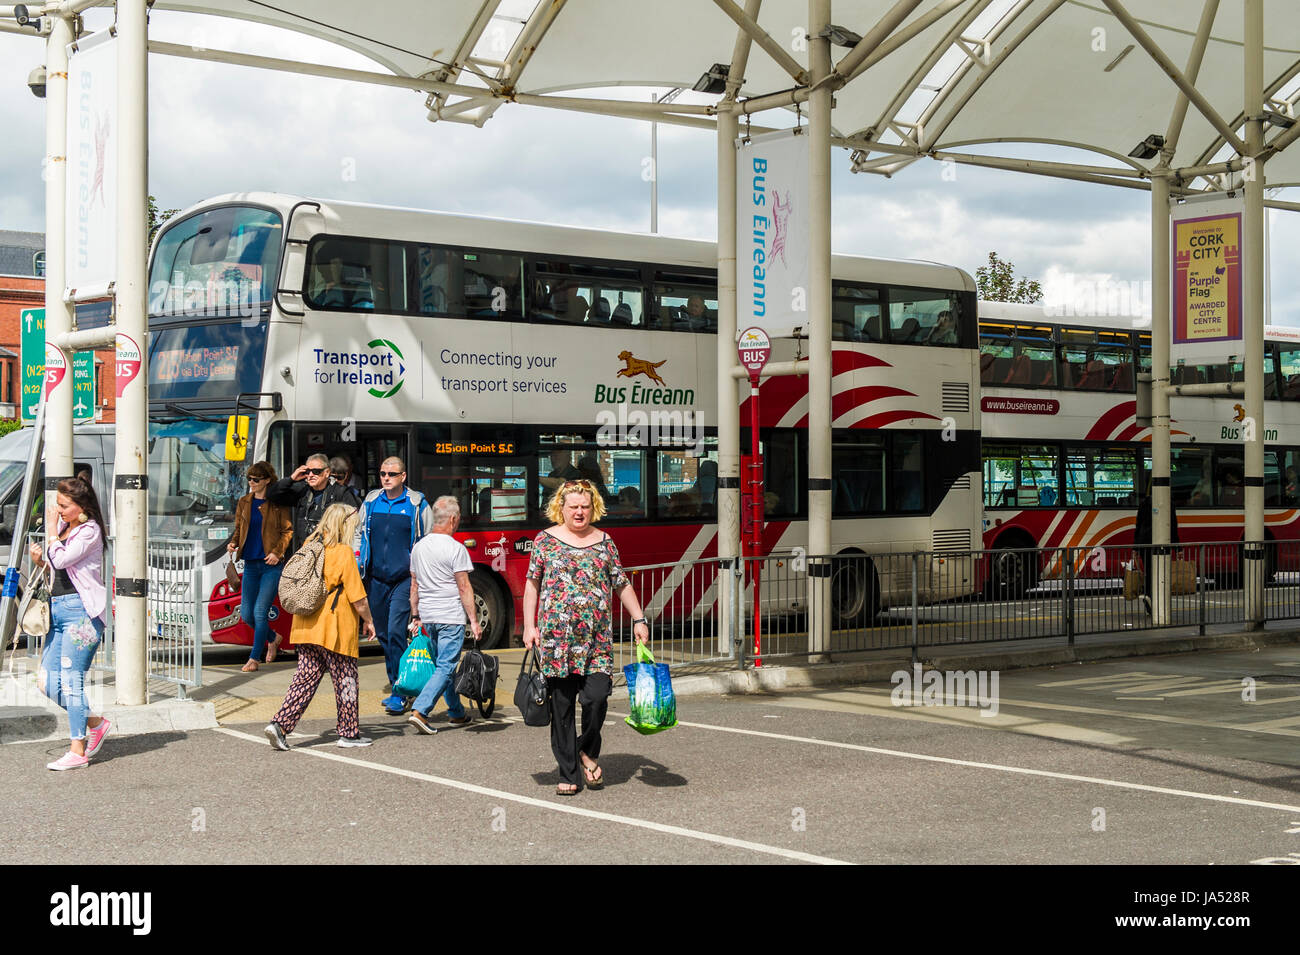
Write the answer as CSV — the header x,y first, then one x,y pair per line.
x,y
1236,371
493,283
1287,487
688,484
1035,358
1272,479
1289,366
860,474
220,262
1019,475
437,283
356,275
909,474
855,314
917,317
1101,477
1191,477
687,307
1229,469
996,353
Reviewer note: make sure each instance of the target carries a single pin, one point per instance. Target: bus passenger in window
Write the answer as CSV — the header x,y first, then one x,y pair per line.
x,y
698,317
944,332
1291,489
562,470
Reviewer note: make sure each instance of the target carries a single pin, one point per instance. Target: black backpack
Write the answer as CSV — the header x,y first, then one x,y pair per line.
x,y
476,679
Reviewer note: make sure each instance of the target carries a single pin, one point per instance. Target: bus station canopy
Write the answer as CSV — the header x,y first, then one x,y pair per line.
x,y
927,78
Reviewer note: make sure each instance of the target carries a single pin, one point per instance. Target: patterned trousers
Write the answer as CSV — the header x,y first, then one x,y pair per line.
x,y
313,661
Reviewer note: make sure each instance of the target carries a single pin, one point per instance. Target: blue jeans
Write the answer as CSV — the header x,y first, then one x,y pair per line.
x,y
256,594
69,647
450,638
390,606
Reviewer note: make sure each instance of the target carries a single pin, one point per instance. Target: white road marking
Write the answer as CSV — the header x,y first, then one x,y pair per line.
x,y
556,807
1018,770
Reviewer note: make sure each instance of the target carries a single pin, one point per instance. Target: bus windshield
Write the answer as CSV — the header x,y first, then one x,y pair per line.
x,y
223,262
193,488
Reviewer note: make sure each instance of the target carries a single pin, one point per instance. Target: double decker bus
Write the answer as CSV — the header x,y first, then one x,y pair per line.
x,y
1065,461
497,358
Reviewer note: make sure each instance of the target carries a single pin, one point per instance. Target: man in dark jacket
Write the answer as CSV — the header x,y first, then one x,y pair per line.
x,y
1142,541
309,490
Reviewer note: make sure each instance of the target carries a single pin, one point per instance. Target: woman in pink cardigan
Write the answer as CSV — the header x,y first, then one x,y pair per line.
x,y
77,613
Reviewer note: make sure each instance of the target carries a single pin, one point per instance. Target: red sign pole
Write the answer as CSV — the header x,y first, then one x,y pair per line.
x,y
754,349
755,513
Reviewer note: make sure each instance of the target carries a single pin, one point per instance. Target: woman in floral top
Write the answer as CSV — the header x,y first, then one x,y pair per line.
x,y
78,603
568,618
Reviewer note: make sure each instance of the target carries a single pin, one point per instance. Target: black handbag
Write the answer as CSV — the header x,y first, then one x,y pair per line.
x,y
531,696
476,679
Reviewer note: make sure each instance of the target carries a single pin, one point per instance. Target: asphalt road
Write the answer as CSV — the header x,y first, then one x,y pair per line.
x,y
1153,760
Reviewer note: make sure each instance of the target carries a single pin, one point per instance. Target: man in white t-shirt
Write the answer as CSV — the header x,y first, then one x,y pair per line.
x,y
441,601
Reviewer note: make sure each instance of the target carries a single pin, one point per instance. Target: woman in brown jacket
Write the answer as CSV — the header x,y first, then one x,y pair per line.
x,y
263,532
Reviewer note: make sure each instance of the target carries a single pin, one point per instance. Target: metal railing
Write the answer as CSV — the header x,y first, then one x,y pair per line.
x,y
174,652
922,599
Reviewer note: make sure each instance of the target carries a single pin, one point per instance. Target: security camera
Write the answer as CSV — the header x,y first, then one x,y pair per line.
x,y
36,82
25,19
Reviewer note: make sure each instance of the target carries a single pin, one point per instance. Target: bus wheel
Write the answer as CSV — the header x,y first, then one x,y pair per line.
x,y
1014,571
855,591
491,604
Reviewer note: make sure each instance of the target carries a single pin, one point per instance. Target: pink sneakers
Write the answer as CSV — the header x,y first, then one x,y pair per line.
x,y
95,736
68,760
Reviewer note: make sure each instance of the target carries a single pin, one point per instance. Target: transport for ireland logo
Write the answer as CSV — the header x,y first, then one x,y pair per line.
x,y
381,370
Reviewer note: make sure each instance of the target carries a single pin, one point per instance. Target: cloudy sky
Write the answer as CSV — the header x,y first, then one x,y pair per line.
x,y
217,128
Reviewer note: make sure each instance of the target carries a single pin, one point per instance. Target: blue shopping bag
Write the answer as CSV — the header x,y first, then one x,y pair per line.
x,y
650,689
416,668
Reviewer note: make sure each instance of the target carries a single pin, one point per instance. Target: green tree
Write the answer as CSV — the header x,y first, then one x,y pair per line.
x,y
157,219
997,282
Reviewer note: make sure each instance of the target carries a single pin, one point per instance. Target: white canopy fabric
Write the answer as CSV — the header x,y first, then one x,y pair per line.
x,y
967,74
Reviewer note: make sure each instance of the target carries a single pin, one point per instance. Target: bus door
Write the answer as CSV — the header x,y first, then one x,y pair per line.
x,y
365,446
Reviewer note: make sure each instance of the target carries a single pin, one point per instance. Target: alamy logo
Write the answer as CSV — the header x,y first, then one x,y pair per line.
x,y
946,688
76,908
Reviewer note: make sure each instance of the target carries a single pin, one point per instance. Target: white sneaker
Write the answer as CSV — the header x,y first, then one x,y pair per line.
x,y
347,741
276,736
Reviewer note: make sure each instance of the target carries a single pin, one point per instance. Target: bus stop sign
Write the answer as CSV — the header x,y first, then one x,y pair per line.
x,y
754,349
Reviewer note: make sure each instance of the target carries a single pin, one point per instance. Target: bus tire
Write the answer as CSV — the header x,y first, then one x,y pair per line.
x,y
1012,572
855,591
492,606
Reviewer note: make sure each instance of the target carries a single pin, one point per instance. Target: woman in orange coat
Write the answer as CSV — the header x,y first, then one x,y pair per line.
x,y
327,639
263,531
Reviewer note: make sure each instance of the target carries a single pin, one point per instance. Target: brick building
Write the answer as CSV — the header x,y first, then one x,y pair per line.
x,y
22,286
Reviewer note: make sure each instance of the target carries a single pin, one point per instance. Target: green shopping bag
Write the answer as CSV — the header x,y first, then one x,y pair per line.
x,y
650,689
416,668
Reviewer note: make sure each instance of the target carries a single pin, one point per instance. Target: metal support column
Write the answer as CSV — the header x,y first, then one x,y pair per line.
x,y
58,313
130,465
1160,335
728,406
1252,242
819,330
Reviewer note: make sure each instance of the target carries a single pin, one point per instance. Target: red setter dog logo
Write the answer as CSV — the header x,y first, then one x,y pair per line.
x,y
639,366
1241,413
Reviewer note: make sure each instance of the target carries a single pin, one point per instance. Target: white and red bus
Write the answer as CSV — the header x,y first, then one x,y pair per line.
x,y
496,356
1065,461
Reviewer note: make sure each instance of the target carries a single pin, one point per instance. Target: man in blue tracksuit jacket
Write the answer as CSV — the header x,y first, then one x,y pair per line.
x,y
393,518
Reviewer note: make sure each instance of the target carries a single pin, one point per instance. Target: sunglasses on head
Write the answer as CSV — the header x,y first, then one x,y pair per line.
x,y
316,470
582,483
